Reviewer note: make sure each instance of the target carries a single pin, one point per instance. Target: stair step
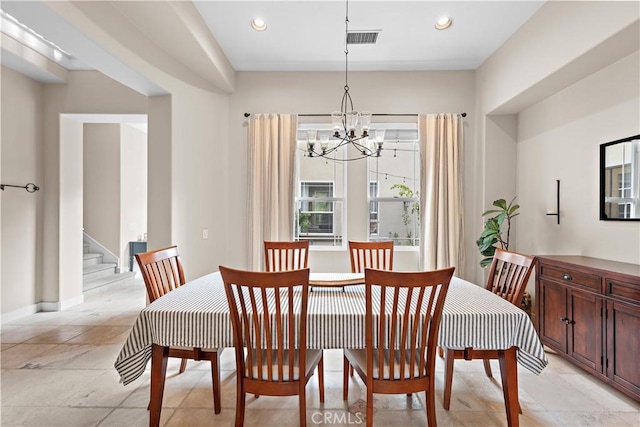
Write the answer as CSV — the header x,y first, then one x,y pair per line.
x,y
106,280
89,258
98,270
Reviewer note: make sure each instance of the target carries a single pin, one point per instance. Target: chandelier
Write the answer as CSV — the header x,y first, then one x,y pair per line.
x,y
345,123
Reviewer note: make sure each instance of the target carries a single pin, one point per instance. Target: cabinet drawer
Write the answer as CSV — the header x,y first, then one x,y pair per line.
x,y
622,290
573,277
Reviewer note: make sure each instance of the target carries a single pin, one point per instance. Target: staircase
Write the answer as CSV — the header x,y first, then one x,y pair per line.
x,y
96,273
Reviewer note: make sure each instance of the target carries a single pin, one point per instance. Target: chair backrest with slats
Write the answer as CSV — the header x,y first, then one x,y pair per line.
x,y
286,256
404,310
268,316
509,274
161,271
376,255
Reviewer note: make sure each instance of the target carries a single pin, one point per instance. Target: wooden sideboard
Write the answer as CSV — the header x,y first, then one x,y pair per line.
x,y
588,310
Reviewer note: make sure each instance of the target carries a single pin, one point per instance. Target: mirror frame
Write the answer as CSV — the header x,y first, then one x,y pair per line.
x,y
603,148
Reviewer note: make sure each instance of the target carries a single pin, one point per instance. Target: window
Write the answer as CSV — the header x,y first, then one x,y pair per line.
x,y
320,193
394,187
390,185
373,209
316,208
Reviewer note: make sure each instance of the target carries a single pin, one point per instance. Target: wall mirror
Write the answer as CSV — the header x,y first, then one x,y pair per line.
x,y
620,180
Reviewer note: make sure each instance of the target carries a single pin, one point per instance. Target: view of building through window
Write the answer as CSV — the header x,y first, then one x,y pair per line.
x,y
320,191
394,205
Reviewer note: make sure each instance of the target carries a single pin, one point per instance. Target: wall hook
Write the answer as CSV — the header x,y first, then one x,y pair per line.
x,y
551,212
30,187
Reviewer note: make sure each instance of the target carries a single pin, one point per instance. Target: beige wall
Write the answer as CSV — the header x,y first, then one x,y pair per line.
x,y
21,212
197,143
101,189
133,189
87,92
199,180
563,43
69,289
380,92
559,138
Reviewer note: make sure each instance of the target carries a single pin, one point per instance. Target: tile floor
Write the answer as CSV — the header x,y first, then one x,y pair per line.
x,y
57,370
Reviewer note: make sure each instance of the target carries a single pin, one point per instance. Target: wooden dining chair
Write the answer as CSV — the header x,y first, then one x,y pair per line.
x,y
286,256
377,255
162,272
508,277
403,309
269,322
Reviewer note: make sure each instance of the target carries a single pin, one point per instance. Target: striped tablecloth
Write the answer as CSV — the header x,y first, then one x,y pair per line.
x,y
197,315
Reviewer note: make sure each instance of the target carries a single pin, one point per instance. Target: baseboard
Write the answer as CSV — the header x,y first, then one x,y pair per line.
x,y
21,312
41,306
61,305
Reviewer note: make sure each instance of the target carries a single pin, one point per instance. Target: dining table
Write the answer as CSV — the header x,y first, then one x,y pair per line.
x,y
196,315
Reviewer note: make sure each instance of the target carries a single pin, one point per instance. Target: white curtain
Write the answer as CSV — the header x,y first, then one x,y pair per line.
x,y
272,148
441,243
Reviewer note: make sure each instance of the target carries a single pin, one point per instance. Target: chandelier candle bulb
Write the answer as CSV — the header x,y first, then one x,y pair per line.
x,y
324,142
365,122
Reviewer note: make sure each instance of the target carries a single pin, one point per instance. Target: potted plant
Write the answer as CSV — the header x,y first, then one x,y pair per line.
x,y
494,227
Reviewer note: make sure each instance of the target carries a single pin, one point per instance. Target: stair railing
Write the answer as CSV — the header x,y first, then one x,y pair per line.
x,y
96,247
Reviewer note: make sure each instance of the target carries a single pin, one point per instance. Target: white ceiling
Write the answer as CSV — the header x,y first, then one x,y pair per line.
x,y
309,35
302,35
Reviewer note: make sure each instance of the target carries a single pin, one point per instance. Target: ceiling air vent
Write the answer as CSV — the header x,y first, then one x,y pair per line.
x,y
362,37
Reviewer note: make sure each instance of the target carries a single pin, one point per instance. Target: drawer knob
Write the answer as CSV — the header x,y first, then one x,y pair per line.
x,y
566,276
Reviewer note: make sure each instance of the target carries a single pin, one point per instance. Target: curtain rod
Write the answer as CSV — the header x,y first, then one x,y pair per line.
x,y
387,115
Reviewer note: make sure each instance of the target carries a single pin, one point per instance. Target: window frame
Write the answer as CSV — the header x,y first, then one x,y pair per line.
x,y
415,178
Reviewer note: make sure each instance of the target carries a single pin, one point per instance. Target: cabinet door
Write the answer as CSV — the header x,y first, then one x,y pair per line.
x,y
584,311
623,345
553,329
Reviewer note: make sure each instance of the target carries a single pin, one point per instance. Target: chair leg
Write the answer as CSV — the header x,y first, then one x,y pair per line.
x,y
430,400
302,406
321,378
240,402
369,407
487,367
183,366
448,377
345,378
215,379
350,370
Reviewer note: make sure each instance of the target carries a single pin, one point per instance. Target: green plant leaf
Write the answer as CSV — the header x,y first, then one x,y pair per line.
x,y
491,211
488,232
501,203
512,209
487,249
486,262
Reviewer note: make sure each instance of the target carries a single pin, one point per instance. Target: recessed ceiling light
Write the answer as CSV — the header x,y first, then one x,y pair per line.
x,y
444,22
258,24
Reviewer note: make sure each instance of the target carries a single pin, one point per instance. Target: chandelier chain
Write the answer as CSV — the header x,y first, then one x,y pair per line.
x,y
346,120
